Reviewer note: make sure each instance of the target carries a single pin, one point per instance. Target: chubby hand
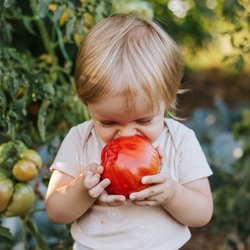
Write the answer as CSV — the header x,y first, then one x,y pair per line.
x,y
92,181
160,192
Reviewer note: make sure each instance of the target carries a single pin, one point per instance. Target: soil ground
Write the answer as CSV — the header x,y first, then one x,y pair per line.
x,y
206,86
204,239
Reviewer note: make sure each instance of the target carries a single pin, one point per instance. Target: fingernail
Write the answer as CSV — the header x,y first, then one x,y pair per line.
x,y
106,181
100,168
144,180
132,197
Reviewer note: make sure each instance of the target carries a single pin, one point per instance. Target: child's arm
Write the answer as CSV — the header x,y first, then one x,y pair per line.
x,y
68,198
191,204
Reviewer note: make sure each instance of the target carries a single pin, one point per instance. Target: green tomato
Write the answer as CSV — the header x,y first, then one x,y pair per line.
x,y
32,155
10,153
22,201
6,190
25,170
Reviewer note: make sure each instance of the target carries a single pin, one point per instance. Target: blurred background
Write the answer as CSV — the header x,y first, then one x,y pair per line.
x,y
39,40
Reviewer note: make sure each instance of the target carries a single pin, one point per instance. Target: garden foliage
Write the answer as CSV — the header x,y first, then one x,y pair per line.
x,y
38,104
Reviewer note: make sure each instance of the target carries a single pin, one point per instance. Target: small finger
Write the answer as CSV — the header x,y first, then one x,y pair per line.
x,y
95,168
146,193
91,180
112,200
99,188
145,203
99,170
89,171
135,196
154,179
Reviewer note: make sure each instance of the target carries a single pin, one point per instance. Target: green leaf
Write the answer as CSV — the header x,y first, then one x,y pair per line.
x,y
8,3
57,13
49,89
3,103
43,7
36,234
42,115
14,55
6,34
28,25
6,238
70,28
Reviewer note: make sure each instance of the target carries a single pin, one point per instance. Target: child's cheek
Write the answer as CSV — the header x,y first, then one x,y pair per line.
x,y
106,135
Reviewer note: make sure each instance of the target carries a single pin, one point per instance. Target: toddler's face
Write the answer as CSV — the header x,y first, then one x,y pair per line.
x,y
113,118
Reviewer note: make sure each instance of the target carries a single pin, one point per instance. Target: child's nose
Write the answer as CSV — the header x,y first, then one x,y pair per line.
x,y
127,131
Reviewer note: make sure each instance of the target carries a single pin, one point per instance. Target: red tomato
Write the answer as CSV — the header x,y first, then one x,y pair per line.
x,y
126,160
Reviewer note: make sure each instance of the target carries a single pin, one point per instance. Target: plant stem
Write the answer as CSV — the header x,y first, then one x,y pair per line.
x,y
42,29
24,232
41,243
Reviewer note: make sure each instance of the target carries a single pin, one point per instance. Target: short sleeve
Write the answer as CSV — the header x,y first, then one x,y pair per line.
x,y
67,159
192,163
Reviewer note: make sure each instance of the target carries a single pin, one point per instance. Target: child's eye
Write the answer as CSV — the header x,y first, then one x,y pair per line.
x,y
145,122
107,123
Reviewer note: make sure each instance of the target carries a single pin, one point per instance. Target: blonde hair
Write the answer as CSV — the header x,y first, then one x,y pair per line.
x,y
127,55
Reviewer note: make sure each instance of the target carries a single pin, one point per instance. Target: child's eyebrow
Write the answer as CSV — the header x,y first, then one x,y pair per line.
x,y
148,116
144,118
103,120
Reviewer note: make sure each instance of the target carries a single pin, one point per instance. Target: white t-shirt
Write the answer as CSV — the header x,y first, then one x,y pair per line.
x,y
129,226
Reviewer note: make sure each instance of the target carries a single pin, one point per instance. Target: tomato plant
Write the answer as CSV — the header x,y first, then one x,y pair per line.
x,y
17,163
22,201
6,190
36,85
126,160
